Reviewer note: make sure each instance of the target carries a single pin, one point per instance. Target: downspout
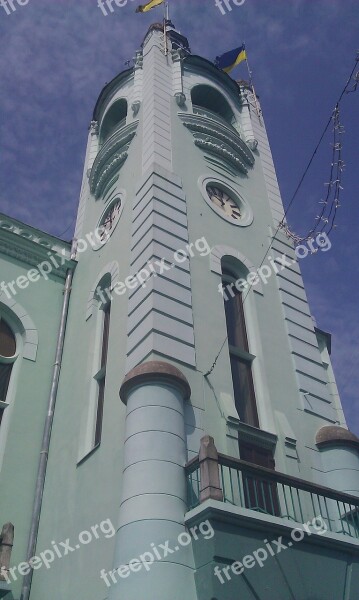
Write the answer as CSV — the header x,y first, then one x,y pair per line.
x,y
41,474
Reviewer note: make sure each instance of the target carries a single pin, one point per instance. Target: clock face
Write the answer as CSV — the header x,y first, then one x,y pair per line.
x,y
223,200
110,219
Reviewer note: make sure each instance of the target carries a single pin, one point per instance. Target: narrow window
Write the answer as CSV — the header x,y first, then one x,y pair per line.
x,y
7,351
259,494
101,375
241,359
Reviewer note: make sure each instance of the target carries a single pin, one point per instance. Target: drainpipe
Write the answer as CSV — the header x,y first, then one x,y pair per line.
x,y
41,474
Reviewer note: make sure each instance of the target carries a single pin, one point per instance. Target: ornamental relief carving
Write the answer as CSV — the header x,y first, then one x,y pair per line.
x,y
217,138
110,158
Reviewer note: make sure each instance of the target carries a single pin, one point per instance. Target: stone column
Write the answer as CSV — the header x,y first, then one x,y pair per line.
x,y
154,489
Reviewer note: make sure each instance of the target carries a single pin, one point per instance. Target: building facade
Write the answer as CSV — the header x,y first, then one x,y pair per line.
x,y
191,416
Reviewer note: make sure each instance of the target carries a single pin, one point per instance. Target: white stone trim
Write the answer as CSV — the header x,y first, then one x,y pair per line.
x,y
28,328
218,252
114,270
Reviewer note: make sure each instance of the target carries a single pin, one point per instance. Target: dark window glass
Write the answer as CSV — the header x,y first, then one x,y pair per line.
x,y
237,335
244,391
99,416
101,381
7,340
259,493
105,335
5,372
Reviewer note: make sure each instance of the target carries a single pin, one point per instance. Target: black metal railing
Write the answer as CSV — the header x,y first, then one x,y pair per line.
x,y
262,490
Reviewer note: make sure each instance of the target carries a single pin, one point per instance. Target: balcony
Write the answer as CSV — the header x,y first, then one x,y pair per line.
x,y
275,537
242,484
111,156
214,134
209,114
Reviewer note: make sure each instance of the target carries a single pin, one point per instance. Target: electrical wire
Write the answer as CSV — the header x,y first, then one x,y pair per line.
x,y
280,225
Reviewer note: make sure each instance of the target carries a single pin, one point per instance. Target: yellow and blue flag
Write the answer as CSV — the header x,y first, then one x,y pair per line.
x,y
151,4
231,59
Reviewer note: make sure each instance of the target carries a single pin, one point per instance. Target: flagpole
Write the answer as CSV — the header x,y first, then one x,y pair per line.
x,y
258,111
165,19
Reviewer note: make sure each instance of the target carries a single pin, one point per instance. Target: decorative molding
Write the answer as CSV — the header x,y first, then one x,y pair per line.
x,y
222,150
29,330
111,157
94,128
116,163
113,269
252,143
32,249
180,98
217,138
178,54
138,60
136,107
252,435
218,252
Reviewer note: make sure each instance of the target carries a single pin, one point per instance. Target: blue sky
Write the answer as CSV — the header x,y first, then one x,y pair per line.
x,y
56,57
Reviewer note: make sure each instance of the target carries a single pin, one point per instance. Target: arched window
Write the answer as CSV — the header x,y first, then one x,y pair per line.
x,y
7,357
103,295
113,119
208,98
259,494
240,357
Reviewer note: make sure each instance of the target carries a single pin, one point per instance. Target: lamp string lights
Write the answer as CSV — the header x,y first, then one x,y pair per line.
x,y
325,220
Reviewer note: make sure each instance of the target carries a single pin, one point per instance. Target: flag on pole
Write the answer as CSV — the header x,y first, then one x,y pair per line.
x,y
146,7
231,59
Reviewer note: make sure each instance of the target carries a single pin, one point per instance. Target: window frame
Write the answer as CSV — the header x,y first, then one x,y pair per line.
x,y
8,360
242,355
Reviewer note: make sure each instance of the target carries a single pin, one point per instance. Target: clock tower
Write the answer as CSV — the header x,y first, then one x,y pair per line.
x,y
197,408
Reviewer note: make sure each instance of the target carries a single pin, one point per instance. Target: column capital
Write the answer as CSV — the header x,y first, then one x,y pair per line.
x,y
152,372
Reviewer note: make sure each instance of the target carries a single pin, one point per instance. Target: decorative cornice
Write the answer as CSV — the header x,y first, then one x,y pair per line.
x,y
111,157
219,139
31,245
32,250
223,150
252,435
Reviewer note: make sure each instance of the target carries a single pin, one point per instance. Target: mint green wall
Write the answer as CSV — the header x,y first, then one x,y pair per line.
x,y
38,307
